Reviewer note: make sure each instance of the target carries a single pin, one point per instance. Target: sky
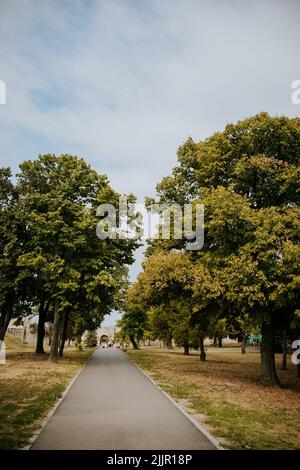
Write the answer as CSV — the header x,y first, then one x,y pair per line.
x,y
123,83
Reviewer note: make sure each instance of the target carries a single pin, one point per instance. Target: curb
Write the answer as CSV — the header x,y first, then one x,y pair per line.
x,y
180,408
57,404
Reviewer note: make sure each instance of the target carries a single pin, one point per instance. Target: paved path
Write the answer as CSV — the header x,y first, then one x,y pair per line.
x,y
112,405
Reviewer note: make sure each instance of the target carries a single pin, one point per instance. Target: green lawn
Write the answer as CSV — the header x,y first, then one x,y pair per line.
x,y
29,388
225,396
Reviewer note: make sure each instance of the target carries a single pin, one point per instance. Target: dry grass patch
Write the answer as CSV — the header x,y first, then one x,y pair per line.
x,y
226,396
29,387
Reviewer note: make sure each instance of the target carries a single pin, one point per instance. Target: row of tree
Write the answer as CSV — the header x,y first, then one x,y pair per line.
x,y
51,262
246,278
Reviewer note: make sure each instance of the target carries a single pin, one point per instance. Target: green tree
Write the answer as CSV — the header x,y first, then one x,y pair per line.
x,y
15,292
78,273
91,339
259,156
263,278
134,320
248,179
165,287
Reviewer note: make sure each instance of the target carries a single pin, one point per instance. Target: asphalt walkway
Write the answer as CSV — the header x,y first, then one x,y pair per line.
x,y
112,405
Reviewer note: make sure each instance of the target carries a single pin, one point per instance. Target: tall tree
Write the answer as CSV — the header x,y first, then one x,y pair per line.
x,y
70,265
14,291
248,179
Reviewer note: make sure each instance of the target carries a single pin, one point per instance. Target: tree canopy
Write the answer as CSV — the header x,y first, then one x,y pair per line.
x,y
247,178
51,250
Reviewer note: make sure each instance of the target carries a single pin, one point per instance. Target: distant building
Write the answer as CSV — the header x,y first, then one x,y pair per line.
x,y
106,334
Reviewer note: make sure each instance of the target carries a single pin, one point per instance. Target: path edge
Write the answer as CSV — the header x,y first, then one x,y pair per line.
x,y
196,423
47,418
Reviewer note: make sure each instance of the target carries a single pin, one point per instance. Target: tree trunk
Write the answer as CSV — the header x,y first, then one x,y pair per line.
x,y
55,337
24,334
78,339
170,344
4,322
41,330
133,342
2,319
7,316
284,351
186,349
202,350
244,342
215,342
5,319
268,369
220,342
64,333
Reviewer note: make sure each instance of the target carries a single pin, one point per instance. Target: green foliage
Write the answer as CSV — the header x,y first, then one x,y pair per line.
x,y
134,320
259,156
14,288
91,339
49,250
247,274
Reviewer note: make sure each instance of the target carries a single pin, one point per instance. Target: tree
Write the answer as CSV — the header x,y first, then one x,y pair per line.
x,y
181,327
242,327
53,203
91,339
134,320
51,261
262,278
165,288
259,156
248,179
14,290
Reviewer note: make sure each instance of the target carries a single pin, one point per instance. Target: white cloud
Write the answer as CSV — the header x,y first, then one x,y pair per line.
x,y
124,82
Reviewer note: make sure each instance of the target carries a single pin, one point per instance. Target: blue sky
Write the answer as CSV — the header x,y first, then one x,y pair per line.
x,y
124,82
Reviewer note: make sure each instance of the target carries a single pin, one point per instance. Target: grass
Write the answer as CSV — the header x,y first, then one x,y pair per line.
x,y
29,387
224,394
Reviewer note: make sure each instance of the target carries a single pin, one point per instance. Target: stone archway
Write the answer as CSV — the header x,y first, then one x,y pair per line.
x,y
106,335
104,341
